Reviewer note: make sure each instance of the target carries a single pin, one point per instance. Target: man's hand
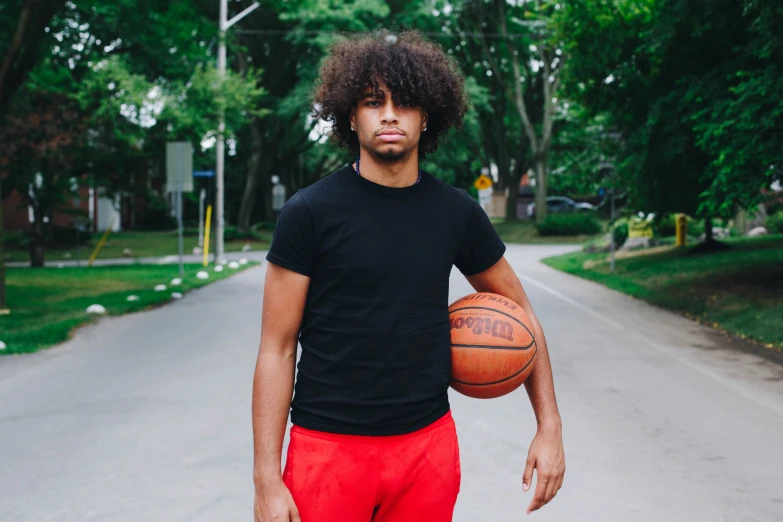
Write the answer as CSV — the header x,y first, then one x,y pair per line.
x,y
274,503
546,456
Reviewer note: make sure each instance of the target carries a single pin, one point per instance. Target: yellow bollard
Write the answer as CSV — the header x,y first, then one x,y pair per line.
x,y
100,243
681,226
206,235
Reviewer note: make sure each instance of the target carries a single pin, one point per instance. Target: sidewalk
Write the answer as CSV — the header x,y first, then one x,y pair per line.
x,y
253,255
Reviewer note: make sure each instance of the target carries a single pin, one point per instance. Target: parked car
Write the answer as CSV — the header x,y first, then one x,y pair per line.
x,y
558,204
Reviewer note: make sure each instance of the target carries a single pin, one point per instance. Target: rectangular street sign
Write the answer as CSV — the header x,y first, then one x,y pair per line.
x,y
179,165
203,173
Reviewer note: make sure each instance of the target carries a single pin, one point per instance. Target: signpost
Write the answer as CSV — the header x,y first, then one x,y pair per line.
x,y
278,195
201,199
179,166
484,186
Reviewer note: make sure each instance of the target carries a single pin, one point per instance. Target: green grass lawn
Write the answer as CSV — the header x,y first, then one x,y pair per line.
x,y
48,303
525,232
141,244
739,290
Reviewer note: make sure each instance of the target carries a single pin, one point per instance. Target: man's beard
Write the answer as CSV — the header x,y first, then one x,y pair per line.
x,y
389,155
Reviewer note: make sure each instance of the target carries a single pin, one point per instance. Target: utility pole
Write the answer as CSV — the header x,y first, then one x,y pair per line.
x,y
223,24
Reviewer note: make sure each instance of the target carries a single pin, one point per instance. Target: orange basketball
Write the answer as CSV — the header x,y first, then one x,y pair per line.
x,y
493,347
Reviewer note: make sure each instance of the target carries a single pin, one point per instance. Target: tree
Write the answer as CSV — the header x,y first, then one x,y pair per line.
x,y
23,26
694,90
108,77
520,68
279,39
38,146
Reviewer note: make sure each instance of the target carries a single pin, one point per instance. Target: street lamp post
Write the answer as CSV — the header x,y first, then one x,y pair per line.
x,y
224,24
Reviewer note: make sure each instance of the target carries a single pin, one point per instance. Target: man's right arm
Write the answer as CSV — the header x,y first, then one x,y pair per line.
x,y
285,293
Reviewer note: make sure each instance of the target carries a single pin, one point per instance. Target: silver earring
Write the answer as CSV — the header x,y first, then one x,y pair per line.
x,y
425,129
353,129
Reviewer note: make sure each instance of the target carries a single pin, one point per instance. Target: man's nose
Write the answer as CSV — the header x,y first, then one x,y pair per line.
x,y
389,113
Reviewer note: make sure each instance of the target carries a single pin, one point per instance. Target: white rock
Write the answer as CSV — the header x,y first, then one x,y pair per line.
x,y
127,252
2,345
202,275
219,268
67,255
197,250
636,243
233,264
96,309
132,298
246,248
160,288
176,281
758,231
243,261
176,295
223,262
719,233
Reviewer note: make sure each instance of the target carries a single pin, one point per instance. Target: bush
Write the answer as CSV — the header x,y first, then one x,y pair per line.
x,y
157,215
667,226
71,236
620,232
775,223
582,223
695,227
16,238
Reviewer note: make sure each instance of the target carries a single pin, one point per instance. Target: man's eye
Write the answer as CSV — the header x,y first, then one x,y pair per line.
x,y
370,103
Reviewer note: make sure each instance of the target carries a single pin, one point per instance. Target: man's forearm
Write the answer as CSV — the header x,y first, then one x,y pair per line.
x,y
540,385
273,386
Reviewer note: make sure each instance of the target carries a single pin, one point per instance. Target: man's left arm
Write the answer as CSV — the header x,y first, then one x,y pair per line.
x,y
546,454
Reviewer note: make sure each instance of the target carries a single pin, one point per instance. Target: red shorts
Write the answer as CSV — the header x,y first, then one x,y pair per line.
x,y
413,477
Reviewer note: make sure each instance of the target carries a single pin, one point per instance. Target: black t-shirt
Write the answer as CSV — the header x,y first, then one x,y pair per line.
x,y
376,351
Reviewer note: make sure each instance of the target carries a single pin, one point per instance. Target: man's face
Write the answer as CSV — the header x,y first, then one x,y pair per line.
x,y
387,131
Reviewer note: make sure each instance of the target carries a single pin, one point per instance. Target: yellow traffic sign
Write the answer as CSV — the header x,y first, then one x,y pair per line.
x,y
483,182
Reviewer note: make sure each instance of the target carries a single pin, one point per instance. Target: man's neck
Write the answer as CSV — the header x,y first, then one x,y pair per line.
x,y
401,173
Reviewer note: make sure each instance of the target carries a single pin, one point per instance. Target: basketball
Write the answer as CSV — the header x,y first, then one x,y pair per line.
x,y
493,347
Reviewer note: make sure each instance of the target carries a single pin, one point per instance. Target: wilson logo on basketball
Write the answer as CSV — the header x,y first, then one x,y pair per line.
x,y
496,328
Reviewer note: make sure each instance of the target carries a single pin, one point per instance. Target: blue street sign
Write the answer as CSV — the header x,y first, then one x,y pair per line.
x,y
601,192
203,173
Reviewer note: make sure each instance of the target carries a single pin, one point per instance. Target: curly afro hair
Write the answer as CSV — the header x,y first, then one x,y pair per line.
x,y
417,72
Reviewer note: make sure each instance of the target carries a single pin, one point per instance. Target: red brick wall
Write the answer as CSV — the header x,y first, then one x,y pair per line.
x,y
16,217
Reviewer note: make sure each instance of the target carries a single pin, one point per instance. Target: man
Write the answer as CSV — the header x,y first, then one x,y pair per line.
x,y
359,275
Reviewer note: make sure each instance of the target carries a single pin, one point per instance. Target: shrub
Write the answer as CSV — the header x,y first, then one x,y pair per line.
x,y
569,224
16,238
695,227
157,215
620,232
71,236
667,226
775,223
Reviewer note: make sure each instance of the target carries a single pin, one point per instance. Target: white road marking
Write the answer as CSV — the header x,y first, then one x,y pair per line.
x,y
775,408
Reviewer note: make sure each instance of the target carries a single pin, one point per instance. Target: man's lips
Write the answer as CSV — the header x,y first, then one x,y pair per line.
x,y
390,135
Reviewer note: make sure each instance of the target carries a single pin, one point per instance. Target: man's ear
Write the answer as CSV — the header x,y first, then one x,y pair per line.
x,y
424,120
352,118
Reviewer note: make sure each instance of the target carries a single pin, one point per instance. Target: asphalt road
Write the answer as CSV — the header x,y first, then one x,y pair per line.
x,y
147,416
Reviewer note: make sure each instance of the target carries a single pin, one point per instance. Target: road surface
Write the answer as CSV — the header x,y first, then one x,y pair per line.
x,y
147,416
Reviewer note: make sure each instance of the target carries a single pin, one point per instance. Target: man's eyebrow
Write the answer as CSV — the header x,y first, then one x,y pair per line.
x,y
379,94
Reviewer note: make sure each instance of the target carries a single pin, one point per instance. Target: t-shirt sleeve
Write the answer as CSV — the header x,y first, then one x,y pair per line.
x,y
481,245
294,240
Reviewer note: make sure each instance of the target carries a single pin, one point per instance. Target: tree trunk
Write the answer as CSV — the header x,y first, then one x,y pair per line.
x,y
539,167
37,239
3,305
708,237
253,173
513,196
520,167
